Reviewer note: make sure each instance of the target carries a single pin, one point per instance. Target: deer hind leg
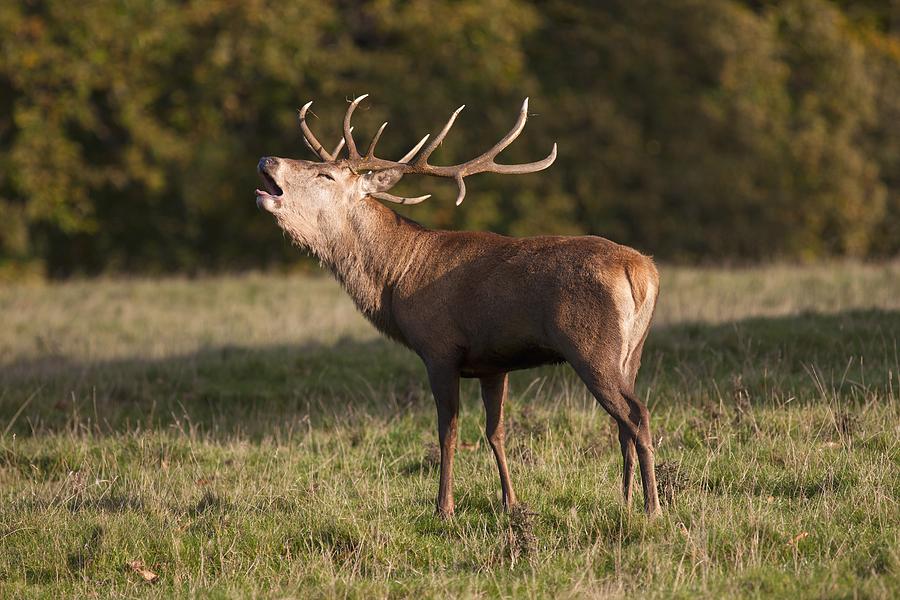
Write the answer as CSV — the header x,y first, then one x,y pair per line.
x,y
633,418
632,445
445,387
634,361
629,455
643,441
494,390
626,441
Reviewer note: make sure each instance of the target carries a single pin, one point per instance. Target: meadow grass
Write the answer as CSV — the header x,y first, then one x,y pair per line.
x,y
253,436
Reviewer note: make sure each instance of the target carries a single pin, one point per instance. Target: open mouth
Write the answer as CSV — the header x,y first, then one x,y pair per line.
x,y
271,188
270,196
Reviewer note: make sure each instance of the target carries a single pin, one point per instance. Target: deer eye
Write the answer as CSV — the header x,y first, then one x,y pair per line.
x,y
325,175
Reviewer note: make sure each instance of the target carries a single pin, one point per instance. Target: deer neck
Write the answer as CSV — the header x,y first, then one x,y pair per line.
x,y
369,254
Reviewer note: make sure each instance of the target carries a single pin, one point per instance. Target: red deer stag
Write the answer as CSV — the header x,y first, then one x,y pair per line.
x,y
473,304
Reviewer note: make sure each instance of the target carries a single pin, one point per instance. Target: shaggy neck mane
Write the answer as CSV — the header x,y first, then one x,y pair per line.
x,y
369,254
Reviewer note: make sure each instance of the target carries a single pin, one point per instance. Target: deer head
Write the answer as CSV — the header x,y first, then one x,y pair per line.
x,y
311,197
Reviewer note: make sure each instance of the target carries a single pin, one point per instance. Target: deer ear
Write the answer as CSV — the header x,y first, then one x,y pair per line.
x,y
380,181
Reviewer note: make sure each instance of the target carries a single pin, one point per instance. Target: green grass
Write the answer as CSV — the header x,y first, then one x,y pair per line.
x,y
253,436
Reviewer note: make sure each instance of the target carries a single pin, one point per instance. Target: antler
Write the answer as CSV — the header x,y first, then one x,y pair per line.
x,y
313,144
416,160
481,164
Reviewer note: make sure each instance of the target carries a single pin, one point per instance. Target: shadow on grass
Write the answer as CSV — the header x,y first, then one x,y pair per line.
x,y
233,389
215,390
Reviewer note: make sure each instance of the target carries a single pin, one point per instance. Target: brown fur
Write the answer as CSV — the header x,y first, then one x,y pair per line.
x,y
474,304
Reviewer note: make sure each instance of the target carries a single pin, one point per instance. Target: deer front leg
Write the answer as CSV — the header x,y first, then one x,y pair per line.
x,y
445,387
494,390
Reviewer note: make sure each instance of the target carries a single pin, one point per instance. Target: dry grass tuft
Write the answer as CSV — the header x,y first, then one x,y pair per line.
x,y
521,540
671,482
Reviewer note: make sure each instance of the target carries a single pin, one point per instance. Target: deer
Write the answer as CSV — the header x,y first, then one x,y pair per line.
x,y
473,304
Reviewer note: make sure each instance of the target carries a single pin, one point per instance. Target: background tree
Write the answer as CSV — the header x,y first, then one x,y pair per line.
x,y
694,129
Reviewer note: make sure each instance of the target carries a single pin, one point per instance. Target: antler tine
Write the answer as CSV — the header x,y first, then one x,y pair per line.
x,y
399,199
510,137
339,147
408,156
370,153
538,165
348,134
310,138
422,158
461,183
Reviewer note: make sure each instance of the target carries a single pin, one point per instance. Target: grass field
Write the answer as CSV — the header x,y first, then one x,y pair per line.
x,y
253,436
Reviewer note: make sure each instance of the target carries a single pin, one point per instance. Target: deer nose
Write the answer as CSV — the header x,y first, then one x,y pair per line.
x,y
266,163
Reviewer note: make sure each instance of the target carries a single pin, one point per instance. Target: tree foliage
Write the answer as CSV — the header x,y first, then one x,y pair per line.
x,y
694,129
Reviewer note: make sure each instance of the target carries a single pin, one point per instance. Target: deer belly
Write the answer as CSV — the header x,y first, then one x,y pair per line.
x,y
490,362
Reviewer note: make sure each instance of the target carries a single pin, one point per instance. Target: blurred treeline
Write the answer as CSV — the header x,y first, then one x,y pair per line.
x,y
696,130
